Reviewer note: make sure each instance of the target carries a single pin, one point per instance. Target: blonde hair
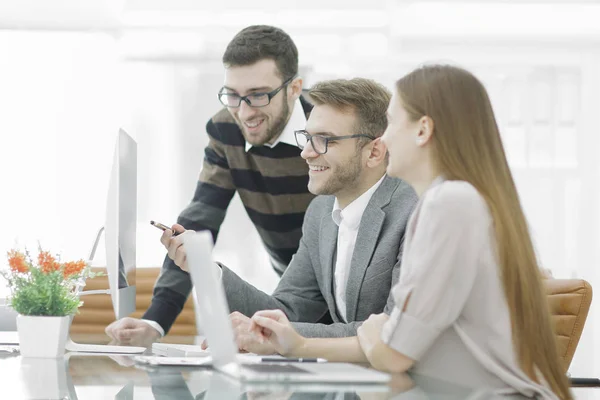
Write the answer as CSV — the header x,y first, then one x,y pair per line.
x,y
467,146
368,99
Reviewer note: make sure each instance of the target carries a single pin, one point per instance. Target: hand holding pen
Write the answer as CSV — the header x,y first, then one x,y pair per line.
x,y
175,230
173,244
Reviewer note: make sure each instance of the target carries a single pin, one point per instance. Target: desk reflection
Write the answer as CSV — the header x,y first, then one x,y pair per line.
x,y
45,378
88,376
42,378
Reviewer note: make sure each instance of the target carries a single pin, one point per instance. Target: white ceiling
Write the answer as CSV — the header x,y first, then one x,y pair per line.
x,y
394,17
60,14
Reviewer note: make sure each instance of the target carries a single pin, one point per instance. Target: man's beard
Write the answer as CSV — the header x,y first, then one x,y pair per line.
x,y
275,130
278,124
343,178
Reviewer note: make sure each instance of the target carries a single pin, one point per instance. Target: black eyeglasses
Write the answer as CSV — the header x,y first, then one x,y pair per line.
x,y
319,142
233,100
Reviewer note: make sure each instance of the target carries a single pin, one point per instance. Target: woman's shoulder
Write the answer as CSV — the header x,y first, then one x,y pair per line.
x,y
457,199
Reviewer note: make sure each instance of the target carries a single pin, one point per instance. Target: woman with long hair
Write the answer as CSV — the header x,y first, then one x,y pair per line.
x,y
470,306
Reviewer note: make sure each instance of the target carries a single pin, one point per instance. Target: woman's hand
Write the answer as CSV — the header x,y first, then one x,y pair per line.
x,y
380,355
369,333
272,327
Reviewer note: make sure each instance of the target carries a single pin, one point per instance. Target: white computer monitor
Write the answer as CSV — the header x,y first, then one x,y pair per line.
x,y
119,234
120,226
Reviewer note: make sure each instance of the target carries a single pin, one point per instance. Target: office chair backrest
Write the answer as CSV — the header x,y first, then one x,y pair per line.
x,y
97,311
570,301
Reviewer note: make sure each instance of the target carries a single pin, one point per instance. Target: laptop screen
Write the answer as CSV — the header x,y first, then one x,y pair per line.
x,y
211,304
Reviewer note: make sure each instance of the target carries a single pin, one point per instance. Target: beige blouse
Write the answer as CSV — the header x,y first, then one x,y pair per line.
x,y
456,323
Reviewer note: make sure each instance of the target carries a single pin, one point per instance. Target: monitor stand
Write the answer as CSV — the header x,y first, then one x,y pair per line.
x,y
99,348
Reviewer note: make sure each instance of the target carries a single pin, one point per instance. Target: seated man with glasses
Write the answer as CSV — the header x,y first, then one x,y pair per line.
x,y
350,251
251,151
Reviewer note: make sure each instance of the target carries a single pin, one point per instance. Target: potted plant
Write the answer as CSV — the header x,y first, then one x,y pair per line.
x,y
45,297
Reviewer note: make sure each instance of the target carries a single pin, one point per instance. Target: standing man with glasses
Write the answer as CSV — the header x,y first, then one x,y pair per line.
x,y
251,150
351,246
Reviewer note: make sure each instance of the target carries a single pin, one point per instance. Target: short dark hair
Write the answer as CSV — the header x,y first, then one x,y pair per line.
x,y
365,97
259,42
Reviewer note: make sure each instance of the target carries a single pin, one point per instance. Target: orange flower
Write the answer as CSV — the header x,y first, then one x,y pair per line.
x,y
47,262
73,267
16,261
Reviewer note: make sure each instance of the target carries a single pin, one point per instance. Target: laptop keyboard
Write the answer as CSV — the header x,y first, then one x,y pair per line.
x,y
275,368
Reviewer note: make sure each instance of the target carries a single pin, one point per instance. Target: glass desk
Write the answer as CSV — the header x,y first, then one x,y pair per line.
x,y
86,376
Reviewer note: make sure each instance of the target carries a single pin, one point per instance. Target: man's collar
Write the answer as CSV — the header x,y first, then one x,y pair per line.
x,y
353,212
297,121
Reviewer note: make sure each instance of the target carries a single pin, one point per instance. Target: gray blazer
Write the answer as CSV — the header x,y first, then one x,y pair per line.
x,y
305,292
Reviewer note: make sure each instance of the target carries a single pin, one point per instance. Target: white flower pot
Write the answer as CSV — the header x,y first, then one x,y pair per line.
x,y
41,336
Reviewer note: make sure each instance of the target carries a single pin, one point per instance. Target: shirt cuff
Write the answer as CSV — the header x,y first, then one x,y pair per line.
x,y
155,325
408,335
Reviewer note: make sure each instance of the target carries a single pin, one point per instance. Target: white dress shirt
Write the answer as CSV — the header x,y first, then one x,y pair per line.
x,y
296,122
348,221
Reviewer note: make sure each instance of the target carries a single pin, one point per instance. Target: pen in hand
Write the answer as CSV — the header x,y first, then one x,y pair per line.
x,y
163,227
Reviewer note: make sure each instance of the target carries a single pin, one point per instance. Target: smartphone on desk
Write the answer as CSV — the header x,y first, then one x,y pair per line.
x,y
163,227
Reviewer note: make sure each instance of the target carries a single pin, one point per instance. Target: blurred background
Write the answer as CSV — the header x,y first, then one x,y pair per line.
x,y
73,72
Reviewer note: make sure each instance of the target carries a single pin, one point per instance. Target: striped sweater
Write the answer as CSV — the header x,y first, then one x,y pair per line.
x,y
272,184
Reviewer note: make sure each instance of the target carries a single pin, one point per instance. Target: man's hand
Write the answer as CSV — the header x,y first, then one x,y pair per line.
x,y
132,332
244,338
174,246
272,327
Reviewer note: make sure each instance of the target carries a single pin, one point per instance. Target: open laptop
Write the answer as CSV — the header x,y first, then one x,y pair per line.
x,y
214,312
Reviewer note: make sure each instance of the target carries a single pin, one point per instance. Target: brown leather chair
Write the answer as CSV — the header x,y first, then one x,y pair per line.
x,y
570,301
97,310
